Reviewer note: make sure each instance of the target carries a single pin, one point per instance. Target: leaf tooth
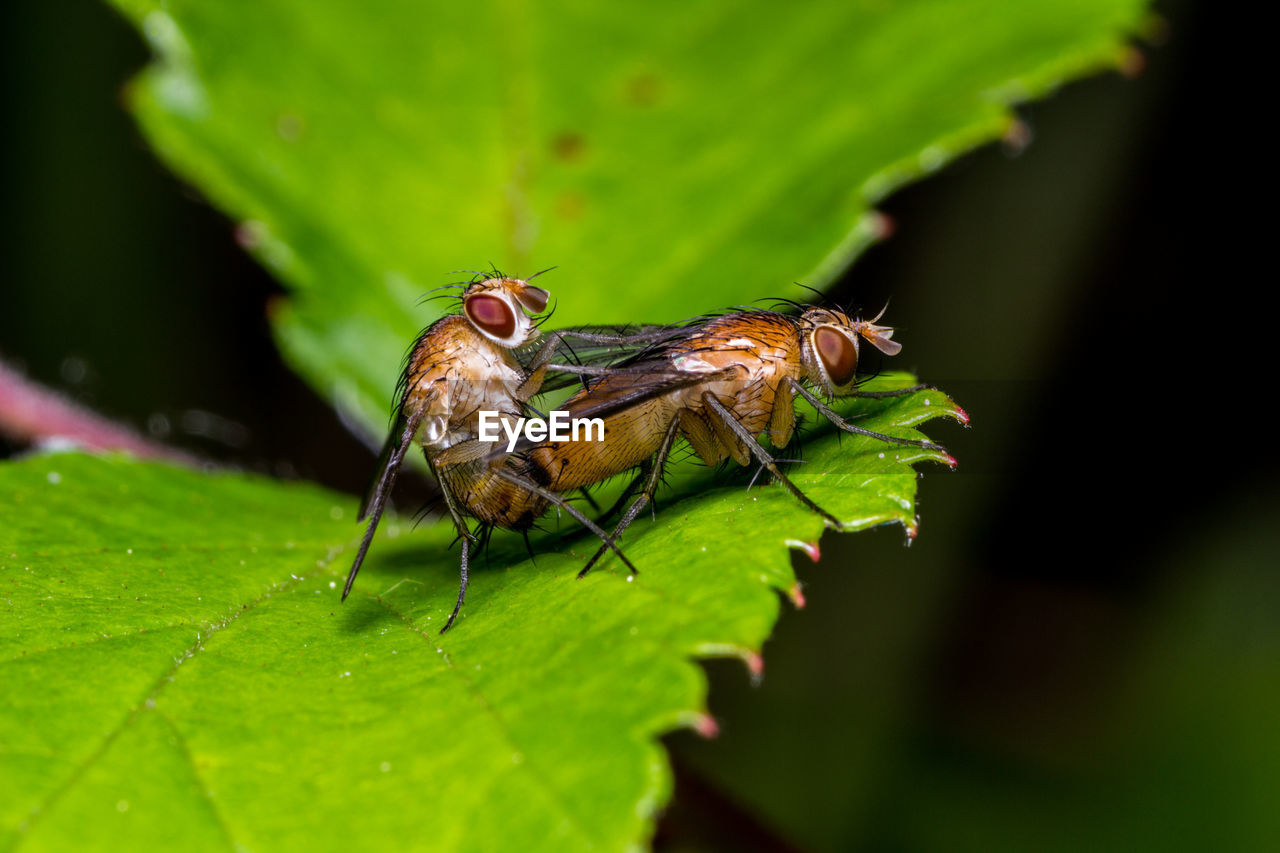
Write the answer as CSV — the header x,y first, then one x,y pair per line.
x,y
1016,137
882,225
810,549
755,666
750,658
706,726
1131,61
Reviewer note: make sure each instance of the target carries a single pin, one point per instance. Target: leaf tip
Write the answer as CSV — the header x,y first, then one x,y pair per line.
x,y
705,725
1016,137
882,225
750,658
1131,62
810,549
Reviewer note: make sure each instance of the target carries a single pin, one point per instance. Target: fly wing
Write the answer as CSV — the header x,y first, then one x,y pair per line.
x,y
574,344
597,347
399,420
629,385
384,461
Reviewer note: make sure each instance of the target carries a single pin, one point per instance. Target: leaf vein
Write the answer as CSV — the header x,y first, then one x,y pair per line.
x,y
548,790
184,748
156,689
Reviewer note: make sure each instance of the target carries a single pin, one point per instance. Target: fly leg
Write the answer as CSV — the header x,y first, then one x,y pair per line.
x,y
468,541
560,502
381,491
827,413
579,369
462,589
451,504
657,464
630,490
762,456
591,500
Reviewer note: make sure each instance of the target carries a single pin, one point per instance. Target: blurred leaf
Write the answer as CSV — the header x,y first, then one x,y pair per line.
x,y
180,674
1178,751
672,158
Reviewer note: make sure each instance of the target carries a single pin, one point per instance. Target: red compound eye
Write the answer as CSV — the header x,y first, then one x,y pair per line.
x,y
838,353
492,315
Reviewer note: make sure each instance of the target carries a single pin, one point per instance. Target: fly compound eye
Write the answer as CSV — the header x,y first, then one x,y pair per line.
x,y
838,353
491,315
532,299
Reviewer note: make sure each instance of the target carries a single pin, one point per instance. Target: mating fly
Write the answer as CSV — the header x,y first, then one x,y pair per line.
x,y
718,382
461,365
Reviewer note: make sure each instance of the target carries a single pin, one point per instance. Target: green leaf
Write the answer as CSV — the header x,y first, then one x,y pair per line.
x,y
180,674
672,158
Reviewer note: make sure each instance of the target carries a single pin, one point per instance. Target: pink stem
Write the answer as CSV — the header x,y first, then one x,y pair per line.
x,y
34,414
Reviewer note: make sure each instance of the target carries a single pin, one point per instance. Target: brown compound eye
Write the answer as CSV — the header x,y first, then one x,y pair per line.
x,y
491,315
533,299
838,353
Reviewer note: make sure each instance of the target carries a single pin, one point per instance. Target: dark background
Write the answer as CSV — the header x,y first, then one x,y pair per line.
x,y
1081,649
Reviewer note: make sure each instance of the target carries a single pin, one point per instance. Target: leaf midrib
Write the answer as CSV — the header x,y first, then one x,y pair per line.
x,y
504,731
167,677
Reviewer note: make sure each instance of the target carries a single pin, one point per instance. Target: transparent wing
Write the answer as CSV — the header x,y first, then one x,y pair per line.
x,y
597,347
379,478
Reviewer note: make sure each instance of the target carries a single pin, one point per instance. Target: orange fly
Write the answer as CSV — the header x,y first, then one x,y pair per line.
x,y
718,383
461,365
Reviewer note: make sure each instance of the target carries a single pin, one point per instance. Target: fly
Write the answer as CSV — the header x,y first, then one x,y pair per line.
x,y
461,365
718,383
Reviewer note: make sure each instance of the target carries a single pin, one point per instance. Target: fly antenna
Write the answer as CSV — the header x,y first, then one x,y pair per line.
x,y
880,337
876,318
